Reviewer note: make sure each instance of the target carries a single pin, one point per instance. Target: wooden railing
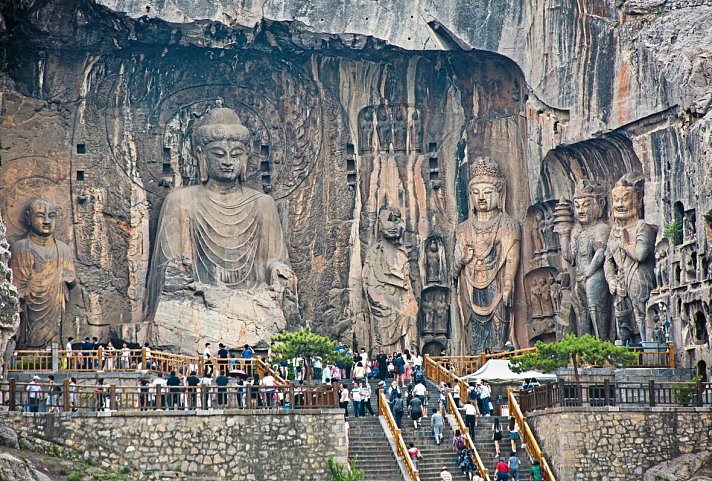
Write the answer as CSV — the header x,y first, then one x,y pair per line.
x,y
385,411
37,397
656,356
134,359
469,442
607,393
437,373
528,436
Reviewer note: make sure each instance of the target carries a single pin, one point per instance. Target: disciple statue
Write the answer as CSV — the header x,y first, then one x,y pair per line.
x,y
629,265
585,250
43,272
547,305
365,129
220,267
486,259
384,128
391,305
536,307
555,292
537,233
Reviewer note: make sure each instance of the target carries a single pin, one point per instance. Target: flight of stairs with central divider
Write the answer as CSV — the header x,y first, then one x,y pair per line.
x,y
482,439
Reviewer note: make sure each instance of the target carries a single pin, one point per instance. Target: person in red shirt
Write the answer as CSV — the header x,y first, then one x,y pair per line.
x,y
501,470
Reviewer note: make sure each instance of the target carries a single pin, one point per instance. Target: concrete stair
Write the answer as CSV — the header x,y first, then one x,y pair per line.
x,y
485,446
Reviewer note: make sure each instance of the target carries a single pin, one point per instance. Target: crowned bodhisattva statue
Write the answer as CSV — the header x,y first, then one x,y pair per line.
x,y
220,267
486,260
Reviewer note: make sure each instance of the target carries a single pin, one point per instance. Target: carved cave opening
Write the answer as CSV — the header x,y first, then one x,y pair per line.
x,y
701,333
337,134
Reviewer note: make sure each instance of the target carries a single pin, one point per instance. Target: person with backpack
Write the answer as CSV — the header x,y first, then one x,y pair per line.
x,y
497,434
458,443
398,409
415,409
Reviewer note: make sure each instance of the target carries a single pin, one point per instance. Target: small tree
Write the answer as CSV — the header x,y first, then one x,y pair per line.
x,y
342,472
574,349
306,344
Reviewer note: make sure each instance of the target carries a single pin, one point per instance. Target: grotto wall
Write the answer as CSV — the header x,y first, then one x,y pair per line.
x,y
555,92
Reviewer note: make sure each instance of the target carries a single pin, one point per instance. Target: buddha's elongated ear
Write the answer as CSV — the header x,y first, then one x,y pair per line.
x,y
202,157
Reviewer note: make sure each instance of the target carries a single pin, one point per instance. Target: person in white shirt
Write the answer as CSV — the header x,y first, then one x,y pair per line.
x,y
420,390
35,394
471,416
158,402
268,383
68,348
125,357
456,394
445,474
356,399
206,352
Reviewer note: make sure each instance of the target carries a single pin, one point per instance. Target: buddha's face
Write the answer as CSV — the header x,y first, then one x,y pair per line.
x,y
626,204
392,224
225,160
588,209
42,218
484,197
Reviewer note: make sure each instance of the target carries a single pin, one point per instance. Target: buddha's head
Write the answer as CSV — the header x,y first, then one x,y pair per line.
x,y
487,189
589,201
627,197
391,223
222,146
41,217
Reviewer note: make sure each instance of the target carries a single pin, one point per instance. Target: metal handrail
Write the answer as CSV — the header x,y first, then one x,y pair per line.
x,y
384,410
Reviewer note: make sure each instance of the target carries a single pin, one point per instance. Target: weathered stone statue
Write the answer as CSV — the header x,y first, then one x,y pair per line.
x,y
555,292
537,233
220,267
391,304
547,304
365,130
434,263
400,129
9,303
486,259
43,272
585,250
416,132
630,262
384,127
536,311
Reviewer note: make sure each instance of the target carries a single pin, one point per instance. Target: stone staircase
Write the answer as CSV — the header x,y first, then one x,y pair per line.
x,y
485,446
372,450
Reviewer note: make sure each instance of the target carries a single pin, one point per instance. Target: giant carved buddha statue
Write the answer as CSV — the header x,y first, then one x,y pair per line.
x,y
220,268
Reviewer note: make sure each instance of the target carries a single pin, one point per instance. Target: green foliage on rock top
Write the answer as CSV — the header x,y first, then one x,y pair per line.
x,y
306,344
573,349
342,472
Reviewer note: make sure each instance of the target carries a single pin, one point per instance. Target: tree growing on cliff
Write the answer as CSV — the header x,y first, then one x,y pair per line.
x,y
307,345
573,349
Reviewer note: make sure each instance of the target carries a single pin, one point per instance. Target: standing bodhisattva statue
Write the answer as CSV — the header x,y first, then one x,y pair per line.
x,y
586,251
630,261
486,259
43,272
222,243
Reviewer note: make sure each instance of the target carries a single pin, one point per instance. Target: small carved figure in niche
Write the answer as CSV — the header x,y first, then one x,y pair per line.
x,y
441,314
384,128
427,307
689,259
586,249
630,261
688,225
536,307
43,272
400,129
537,233
365,130
554,292
662,268
223,241
416,132
563,313
433,261
392,306
486,260
547,306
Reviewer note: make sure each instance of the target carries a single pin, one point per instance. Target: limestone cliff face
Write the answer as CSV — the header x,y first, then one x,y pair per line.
x,y
9,305
555,90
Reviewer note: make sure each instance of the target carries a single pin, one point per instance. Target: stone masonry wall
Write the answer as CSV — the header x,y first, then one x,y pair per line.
x,y
246,445
618,444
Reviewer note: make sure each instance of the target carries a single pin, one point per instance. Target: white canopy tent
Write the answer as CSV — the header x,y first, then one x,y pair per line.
x,y
498,371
